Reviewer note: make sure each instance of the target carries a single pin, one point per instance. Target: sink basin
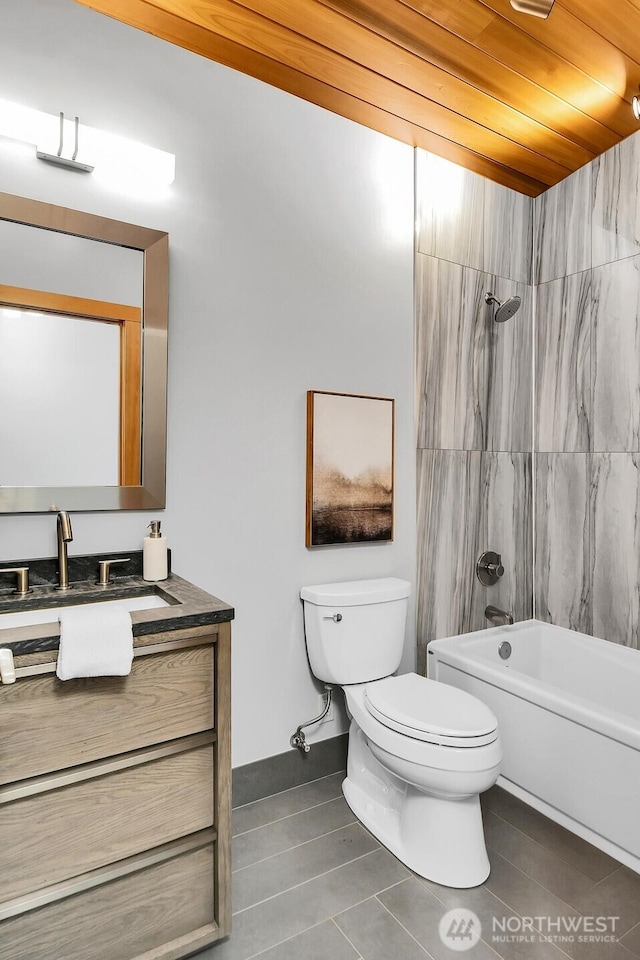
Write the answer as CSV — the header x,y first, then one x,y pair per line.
x,y
24,618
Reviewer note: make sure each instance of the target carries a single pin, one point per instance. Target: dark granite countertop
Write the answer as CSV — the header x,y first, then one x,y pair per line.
x,y
189,606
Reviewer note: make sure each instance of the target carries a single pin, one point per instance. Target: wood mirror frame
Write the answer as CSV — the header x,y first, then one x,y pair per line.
x,y
154,245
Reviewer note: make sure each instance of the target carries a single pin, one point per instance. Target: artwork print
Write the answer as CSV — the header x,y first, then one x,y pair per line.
x,y
349,468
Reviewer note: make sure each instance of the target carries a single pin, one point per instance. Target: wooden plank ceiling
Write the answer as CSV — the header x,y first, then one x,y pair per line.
x,y
521,100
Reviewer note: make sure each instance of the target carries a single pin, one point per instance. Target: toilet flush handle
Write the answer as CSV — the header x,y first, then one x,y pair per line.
x,y
337,617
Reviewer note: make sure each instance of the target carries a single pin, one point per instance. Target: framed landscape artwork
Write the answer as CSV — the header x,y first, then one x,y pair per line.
x,y
349,468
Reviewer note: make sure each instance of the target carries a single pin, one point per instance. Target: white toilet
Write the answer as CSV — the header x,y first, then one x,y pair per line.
x,y
420,752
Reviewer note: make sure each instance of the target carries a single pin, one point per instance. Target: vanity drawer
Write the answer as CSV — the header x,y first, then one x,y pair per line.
x,y
153,800
51,725
159,912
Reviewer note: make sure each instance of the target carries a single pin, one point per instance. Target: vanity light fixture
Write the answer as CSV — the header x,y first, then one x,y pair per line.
x,y
71,163
536,8
116,160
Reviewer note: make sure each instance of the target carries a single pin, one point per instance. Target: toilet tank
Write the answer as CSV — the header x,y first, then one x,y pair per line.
x,y
355,630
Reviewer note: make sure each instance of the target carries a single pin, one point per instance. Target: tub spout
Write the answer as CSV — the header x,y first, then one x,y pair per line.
x,y
499,618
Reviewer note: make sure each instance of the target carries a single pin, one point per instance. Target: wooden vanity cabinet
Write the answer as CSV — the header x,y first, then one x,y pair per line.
x,y
115,802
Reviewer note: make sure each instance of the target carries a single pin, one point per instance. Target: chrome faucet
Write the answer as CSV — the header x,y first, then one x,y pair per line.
x,y
498,618
65,536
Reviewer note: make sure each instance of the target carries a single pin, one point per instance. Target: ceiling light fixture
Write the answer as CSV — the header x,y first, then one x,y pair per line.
x,y
635,106
536,8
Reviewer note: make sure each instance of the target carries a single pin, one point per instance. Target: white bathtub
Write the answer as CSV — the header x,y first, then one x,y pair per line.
x,y
568,708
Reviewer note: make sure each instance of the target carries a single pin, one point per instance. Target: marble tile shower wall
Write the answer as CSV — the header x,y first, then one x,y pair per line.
x,y
587,267
474,387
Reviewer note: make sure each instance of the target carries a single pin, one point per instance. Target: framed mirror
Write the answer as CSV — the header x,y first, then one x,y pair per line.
x,y
62,448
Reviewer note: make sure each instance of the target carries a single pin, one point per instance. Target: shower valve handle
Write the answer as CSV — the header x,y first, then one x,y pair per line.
x,y
489,568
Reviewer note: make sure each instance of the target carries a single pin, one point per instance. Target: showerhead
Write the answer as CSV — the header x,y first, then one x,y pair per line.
x,y
506,308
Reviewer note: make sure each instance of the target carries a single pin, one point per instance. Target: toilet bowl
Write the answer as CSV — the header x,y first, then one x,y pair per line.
x,y
419,797
420,752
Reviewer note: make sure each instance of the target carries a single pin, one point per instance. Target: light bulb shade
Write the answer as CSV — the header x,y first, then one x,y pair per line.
x,y
635,106
536,8
26,124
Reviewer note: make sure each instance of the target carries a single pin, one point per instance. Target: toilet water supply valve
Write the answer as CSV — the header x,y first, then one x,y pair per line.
x,y
298,738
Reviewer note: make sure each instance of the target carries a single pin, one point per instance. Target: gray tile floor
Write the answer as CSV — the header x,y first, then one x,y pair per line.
x,y
311,883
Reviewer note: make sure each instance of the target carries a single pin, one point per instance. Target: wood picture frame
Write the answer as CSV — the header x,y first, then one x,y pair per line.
x,y
350,468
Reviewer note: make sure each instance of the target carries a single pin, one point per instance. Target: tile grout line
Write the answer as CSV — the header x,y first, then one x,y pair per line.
x,y
313,926
533,880
608,877
552,852
580,913
279,793
446,906
632,952
310,880
270,823
401,924
303,843
338,927
364,900
508,908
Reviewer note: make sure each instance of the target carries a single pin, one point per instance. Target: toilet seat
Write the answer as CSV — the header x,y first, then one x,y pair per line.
x,y
430,711
453,759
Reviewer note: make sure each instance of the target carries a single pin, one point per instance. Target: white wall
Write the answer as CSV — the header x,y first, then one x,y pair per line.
x,y
291,237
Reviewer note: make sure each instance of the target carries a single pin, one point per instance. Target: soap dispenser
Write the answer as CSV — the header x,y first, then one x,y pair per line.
x,y
154,554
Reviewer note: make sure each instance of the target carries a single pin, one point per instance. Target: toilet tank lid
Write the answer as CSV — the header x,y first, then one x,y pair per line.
x,y
356,592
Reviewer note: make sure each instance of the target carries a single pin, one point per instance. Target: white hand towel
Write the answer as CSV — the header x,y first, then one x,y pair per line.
x,y
95,644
